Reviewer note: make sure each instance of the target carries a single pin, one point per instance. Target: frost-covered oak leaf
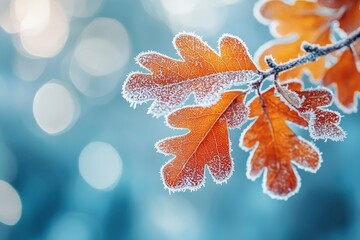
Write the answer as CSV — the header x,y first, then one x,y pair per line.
x,y
206,143
345,76
292,24
200,70
275,147
311,106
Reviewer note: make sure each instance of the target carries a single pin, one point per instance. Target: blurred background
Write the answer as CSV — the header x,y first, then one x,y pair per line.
x,y
77,163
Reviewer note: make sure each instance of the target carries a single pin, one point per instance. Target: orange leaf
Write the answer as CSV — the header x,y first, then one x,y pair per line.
x,y
293,24
200,71
275,146
356,53
206,143
346,77
310,103
350,20
334,3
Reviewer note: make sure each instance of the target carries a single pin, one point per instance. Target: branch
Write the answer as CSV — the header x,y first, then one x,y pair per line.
x,y
314,52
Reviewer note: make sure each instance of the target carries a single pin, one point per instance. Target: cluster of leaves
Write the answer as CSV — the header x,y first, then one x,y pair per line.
x,y
315,22
209,75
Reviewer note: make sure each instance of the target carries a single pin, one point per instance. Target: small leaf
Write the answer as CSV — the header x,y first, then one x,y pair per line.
x,y
206,143
275,147
200,71
322,123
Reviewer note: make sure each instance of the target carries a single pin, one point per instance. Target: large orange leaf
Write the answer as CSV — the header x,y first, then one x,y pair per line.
x,y
345,76
293,24
200,71
275,147
206,143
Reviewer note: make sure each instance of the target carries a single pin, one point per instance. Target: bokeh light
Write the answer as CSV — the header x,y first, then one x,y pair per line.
x,y
28,69
10,204
6,21
102,51
179,6
32,15
89,85
46,36
77,163
100,165
103,47
54,108
202,16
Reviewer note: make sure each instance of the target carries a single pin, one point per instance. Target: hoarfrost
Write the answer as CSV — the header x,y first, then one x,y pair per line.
x,y
309,103
201,71
237,114
275,149
205,145
207,90
323,123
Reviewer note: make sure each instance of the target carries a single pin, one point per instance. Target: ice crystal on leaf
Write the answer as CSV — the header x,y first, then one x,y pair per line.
x,y
275,147
322,123
311,21
276,150
200,71
206,143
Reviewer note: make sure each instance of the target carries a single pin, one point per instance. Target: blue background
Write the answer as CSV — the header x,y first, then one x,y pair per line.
x,y
59,204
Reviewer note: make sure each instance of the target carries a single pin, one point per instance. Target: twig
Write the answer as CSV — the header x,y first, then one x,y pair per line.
x,y
314,52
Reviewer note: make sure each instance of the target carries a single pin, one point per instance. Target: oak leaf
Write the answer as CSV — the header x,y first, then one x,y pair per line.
x,y
345,76
311,106
201,71
275,147
292,24
206,143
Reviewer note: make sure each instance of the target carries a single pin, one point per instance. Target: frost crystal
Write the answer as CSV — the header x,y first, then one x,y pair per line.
x,y
206,143
202,72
